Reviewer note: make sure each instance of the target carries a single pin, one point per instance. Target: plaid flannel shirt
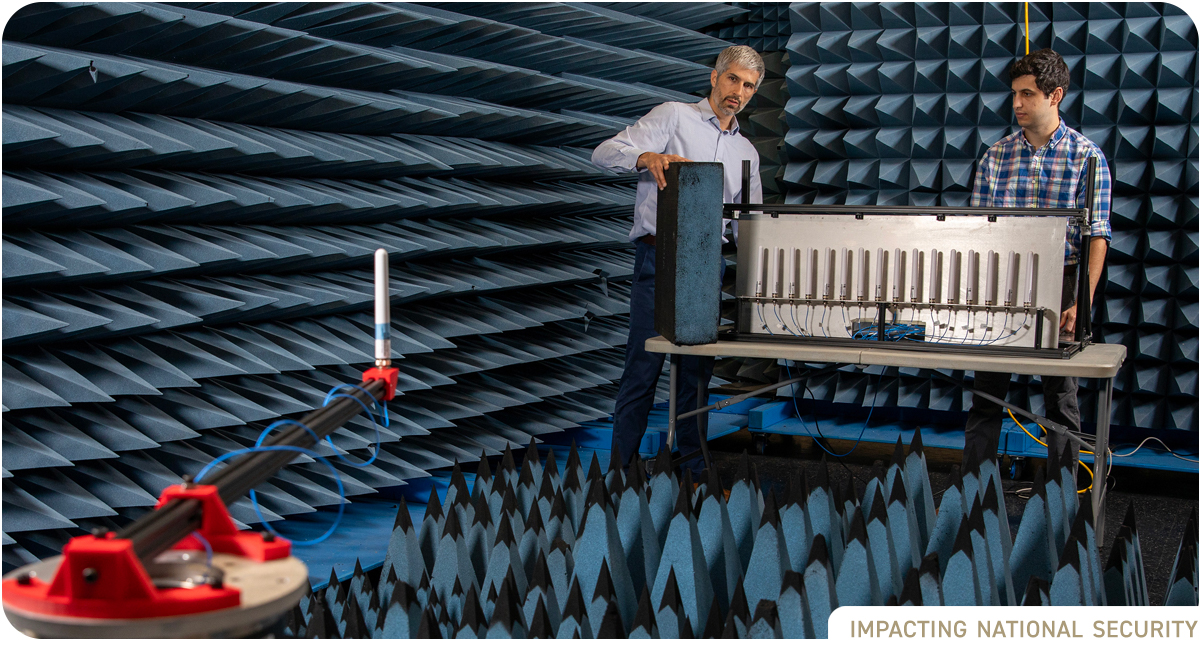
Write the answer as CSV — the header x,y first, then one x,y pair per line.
x,y
1014,173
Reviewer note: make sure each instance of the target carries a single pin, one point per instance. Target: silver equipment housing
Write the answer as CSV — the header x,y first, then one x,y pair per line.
x,y
935,271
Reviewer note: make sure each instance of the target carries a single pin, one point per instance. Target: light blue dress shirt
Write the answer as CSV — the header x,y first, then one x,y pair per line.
x,y
691,130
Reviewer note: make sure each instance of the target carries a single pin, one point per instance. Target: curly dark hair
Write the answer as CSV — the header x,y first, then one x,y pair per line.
x,y
1048,69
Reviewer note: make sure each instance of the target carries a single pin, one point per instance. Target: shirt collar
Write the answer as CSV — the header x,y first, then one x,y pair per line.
x,y
1059,133
707,114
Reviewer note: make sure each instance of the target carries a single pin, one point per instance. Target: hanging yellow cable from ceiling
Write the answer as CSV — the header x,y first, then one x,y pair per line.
x,y
1010,414
1026,28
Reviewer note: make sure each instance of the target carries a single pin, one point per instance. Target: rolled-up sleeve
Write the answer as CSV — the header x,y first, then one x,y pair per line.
x,y
651,133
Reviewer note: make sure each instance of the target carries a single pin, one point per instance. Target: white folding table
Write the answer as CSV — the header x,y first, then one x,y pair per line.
x,y
1100,361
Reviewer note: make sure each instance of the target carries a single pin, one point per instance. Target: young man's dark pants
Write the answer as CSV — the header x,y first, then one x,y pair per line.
x,y
1059,394
635,396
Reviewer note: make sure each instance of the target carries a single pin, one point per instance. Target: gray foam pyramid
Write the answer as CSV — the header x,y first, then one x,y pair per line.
x,y
764,26
894,103
556,551
192,193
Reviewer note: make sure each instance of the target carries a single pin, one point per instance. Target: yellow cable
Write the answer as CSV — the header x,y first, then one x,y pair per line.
x,y
1026,28
1082,451
1091,479
1038,440
1014,419
1009,410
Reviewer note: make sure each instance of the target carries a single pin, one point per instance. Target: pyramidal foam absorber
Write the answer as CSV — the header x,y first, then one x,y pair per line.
x,y
191,198
558,551
895,103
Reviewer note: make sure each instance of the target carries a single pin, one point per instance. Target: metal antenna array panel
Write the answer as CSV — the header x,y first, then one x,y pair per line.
x,y
826,274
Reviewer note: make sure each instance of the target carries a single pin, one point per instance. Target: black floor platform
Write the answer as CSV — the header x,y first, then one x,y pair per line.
x,y
1161,500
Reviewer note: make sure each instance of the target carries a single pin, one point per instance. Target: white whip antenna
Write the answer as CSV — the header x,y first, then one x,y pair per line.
x,y
383,311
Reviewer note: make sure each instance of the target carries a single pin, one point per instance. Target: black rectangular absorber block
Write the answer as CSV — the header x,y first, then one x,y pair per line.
x,y
687,294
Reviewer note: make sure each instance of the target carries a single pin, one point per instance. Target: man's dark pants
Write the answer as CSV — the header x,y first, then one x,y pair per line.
x,y
642,369
1059,393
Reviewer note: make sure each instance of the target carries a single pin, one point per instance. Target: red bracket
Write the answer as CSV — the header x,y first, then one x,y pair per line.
x,y
102,578
218,529
389,376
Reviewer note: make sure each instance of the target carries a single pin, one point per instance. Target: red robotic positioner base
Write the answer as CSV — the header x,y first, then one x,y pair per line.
x,y
102,578
389,376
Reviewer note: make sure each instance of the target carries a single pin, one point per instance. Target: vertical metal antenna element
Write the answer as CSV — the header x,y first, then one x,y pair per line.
x,y
917,288
972,275
847,269
782,268
953,289
898,275
797,266
935,275
1010,295
880,273
383,311
766,273
830,273
990,278
813,273
1030,280
864,279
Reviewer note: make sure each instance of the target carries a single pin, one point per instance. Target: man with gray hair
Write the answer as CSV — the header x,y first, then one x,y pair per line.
x,y
673,133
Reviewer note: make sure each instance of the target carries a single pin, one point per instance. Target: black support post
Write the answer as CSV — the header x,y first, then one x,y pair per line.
x,y
1037,328
745,182
1083,316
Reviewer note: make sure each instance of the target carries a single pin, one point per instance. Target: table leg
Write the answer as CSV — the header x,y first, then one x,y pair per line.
x,y
1100,479
671,396
702,420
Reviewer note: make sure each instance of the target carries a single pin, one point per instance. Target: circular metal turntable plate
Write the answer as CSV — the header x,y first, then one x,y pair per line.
x,y
269,590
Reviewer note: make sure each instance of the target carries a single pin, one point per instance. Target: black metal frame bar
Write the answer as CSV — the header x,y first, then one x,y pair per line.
x,y
1078,216
1064,351
1083,300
